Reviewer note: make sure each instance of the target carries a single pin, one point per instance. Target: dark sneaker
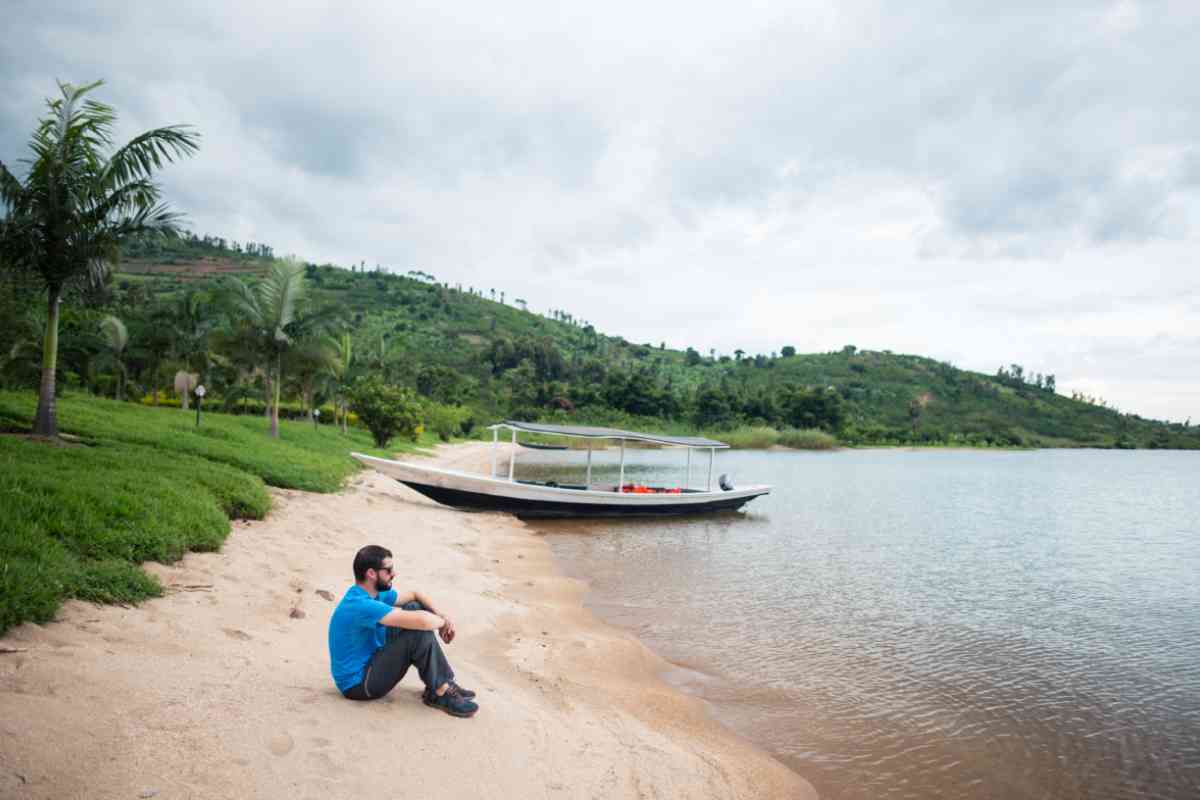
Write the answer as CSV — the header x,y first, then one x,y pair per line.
x,y
460,691
451,702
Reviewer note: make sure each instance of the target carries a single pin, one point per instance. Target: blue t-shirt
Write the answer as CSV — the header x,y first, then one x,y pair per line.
x,y
355,634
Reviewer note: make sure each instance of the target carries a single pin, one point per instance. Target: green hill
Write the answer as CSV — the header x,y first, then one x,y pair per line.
x,y
463,345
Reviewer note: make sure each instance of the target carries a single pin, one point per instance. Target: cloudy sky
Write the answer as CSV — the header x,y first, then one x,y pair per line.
x,y
979,182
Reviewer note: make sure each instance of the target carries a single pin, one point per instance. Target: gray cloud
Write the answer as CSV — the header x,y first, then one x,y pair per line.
x,y
764,174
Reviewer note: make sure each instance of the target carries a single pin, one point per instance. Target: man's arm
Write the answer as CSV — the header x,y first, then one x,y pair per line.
x,y
412,594
412,620
446,629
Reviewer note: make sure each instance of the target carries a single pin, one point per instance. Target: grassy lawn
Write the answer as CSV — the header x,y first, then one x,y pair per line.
x,y
139,484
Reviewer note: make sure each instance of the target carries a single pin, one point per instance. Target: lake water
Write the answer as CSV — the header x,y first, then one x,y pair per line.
x,y
900,624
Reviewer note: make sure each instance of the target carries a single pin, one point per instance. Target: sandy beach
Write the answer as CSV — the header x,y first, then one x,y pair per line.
x,y
221,688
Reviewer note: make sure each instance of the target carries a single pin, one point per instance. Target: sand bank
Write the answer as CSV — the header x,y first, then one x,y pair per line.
x,y
221,689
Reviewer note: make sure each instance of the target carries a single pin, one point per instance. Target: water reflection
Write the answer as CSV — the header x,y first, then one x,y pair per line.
x,y
927,624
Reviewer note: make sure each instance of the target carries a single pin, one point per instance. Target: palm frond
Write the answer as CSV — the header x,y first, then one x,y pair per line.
x,y
145,154
345,355
129,198
146,219
242,302
279,293
11,189
116,336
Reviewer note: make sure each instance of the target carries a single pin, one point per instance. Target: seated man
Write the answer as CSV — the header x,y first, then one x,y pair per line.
x,y
375,633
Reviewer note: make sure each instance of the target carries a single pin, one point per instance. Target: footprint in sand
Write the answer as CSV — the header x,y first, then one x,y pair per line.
x,y
281,744
234,633
324,765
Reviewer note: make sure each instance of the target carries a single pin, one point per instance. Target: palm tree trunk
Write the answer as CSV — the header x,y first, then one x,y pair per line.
x,y
120,382
275,405
345,415
46,421
155,377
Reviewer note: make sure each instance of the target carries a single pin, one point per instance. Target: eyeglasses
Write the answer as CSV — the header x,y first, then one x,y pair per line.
x,y
391,569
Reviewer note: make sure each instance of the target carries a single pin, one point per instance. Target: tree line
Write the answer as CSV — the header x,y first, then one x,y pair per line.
x,y
299,336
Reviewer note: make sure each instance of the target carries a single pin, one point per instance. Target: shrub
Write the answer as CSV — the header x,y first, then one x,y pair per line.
x,y
386,410
761,437
807,440
447,421
749,438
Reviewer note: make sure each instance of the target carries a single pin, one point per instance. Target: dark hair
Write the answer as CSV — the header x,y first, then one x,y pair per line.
x,y
370,557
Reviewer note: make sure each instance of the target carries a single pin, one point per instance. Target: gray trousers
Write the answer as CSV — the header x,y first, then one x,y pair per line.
x,y
403,648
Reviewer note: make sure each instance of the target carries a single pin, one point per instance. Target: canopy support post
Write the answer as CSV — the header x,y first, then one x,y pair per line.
x,y
512,457
621,480
687,481
712,451
588,482
495,448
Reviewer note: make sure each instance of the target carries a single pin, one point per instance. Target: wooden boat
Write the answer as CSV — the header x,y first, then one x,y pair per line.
x,y
527,499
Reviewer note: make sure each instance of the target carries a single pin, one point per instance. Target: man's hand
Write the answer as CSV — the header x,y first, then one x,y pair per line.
x,y
447,631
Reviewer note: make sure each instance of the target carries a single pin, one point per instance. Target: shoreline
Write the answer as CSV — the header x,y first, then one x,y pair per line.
x,y
221,688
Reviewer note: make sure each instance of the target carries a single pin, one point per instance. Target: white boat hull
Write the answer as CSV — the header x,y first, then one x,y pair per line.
x,y
480,492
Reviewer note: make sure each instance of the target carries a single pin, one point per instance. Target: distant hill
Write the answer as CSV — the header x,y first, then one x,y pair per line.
x,y
478,346
194,258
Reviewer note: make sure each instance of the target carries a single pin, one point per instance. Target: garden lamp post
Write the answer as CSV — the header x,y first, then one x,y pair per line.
x,y
199,397
316,418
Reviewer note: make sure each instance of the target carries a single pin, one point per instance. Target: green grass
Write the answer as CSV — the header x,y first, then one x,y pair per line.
x,y
304,457
79,519
141,484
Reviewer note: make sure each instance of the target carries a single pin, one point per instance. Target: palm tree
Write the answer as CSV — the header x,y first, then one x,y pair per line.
x,y
156,345
309,362
239,351
340,370
67,221
116,339
192,321
267,310
377,358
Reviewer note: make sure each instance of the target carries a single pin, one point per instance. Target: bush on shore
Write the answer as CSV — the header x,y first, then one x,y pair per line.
x,y
810,439
387,411
448,421
761,437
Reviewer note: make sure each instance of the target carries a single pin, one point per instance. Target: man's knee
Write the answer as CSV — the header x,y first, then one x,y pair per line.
x,y
426,640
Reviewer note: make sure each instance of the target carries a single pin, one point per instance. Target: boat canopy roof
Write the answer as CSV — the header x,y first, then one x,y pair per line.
x,y
588,432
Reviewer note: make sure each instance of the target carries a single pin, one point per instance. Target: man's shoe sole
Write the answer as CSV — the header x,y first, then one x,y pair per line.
x,y
446,709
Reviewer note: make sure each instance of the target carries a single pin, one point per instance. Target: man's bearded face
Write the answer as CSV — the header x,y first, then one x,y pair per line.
x,y
381,584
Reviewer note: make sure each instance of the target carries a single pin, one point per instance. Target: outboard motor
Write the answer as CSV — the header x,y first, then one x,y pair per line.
x,y
725,482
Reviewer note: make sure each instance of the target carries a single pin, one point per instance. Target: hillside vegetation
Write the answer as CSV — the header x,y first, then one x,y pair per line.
x,y
475,355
